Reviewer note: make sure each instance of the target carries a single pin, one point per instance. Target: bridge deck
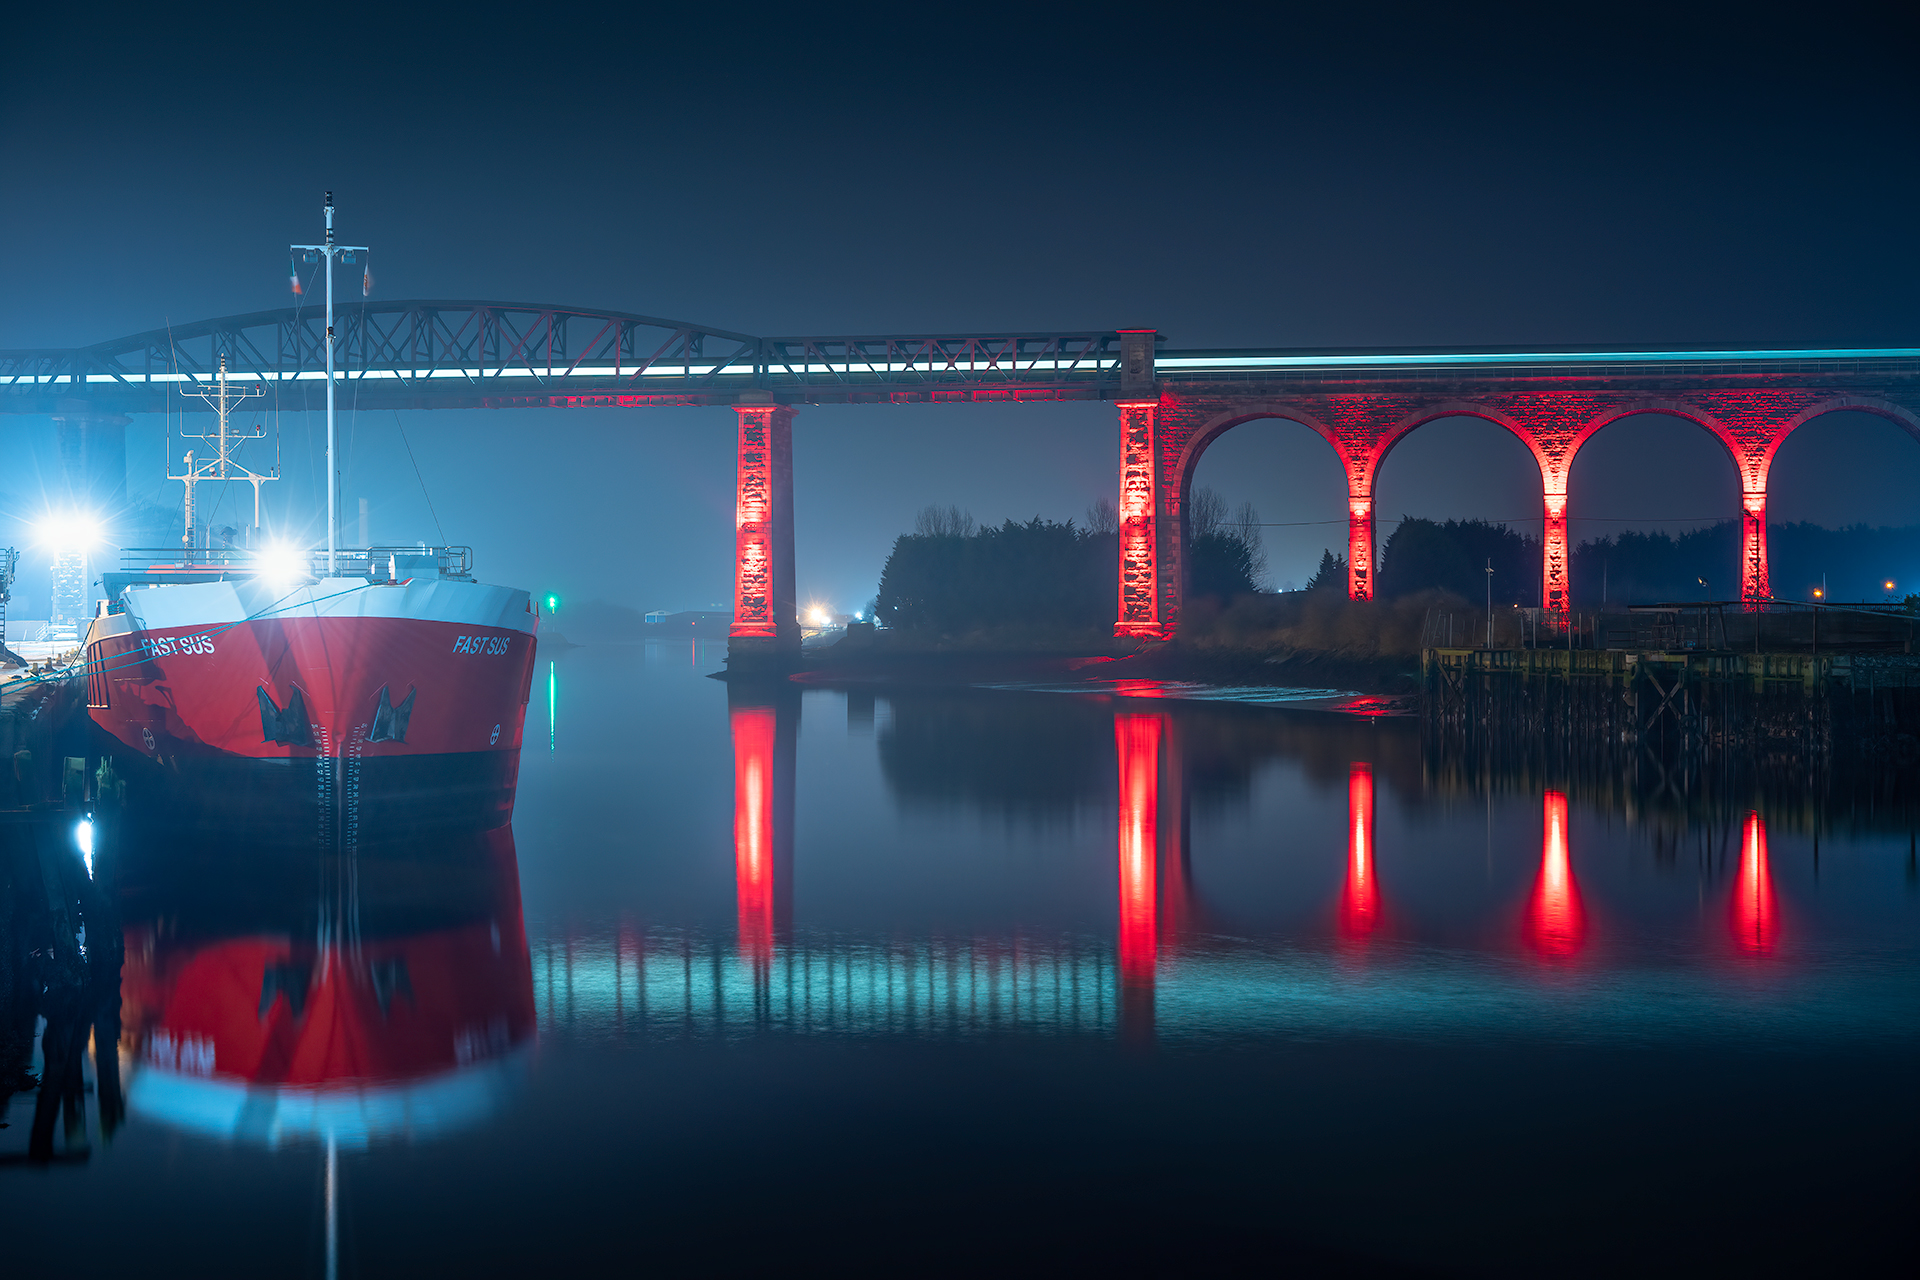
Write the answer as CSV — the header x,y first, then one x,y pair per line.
x,y
463,354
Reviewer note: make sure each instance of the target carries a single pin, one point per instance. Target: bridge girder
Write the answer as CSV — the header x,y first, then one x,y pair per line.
x,y
468,354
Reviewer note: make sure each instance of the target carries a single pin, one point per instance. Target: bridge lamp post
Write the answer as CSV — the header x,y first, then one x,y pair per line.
x,y
345,251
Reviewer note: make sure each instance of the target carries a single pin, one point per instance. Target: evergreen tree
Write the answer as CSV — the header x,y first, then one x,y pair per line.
x,y
1331,575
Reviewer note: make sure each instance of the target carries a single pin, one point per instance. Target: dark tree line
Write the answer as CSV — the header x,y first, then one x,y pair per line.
x,y
1420,555
1854,563
951,576
1040,573
1631,567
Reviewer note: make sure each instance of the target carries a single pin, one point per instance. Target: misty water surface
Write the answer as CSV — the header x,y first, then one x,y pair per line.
x,y
931,980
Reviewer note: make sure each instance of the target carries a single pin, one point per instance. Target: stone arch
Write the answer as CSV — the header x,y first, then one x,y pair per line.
x,y
1221,423
1457,409
1898,414
1211,430
1551,460
1749,449
1668,408
1815,461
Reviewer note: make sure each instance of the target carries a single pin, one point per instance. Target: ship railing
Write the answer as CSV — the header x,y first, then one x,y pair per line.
x,y
380,563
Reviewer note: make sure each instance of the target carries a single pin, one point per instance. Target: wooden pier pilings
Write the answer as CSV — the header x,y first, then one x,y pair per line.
x,y
1813,740
1767,703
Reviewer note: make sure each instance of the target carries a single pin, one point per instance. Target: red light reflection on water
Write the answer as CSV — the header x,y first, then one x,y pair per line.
x,y
1755,921
1137,744
1137,688
753,730
1556,923
1360,897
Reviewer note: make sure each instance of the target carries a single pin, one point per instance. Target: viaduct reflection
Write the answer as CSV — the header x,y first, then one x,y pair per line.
x,y
1360,895
1755,919
1556,920
1137,749
764,726
948,751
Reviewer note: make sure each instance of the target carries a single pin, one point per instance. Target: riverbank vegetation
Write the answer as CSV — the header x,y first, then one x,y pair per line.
x,y
1045,587
952,581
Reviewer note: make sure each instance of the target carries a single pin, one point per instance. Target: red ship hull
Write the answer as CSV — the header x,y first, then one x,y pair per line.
x,y
321,710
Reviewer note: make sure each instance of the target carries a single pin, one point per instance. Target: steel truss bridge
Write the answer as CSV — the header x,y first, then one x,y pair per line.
x,y
1171,405
444,355
463,354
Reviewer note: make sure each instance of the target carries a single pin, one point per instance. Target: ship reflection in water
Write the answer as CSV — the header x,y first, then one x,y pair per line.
x,y
364,1011
1042,978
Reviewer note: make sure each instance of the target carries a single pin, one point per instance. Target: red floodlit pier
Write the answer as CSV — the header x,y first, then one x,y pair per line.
x,y
1171,406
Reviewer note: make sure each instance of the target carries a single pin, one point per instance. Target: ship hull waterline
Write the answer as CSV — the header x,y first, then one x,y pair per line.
x,y
339,708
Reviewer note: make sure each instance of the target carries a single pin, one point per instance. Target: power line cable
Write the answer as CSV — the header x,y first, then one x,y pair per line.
x,y
1294,524
417,476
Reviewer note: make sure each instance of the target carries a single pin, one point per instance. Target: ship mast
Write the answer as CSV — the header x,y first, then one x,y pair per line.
x,y
345,251
222,465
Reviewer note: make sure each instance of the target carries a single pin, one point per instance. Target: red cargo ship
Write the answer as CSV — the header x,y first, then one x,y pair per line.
x,y
317,708
309,693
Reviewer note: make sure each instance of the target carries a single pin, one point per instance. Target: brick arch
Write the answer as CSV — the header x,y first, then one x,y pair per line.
x,y
1213,428
1900,415
1750,441
1668,408
1552,457
1456,409
1210,430
1164,434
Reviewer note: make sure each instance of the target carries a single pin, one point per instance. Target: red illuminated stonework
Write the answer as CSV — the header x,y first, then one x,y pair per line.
x,y
1554,421
1139,554
764,617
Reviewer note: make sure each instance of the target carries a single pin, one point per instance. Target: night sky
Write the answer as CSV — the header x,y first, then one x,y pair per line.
x,y
1424,177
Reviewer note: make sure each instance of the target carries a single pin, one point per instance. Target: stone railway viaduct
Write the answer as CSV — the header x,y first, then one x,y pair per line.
x,y
1170,406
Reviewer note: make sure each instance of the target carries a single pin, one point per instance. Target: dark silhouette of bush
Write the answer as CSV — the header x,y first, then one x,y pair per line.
x,y
1038,574
1331,575
1427,555
1225,557
1221,565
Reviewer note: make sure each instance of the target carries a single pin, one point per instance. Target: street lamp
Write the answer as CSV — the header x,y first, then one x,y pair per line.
x,y
1489,605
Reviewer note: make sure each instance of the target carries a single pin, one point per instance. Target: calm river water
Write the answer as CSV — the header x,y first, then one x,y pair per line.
x,y
927,982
